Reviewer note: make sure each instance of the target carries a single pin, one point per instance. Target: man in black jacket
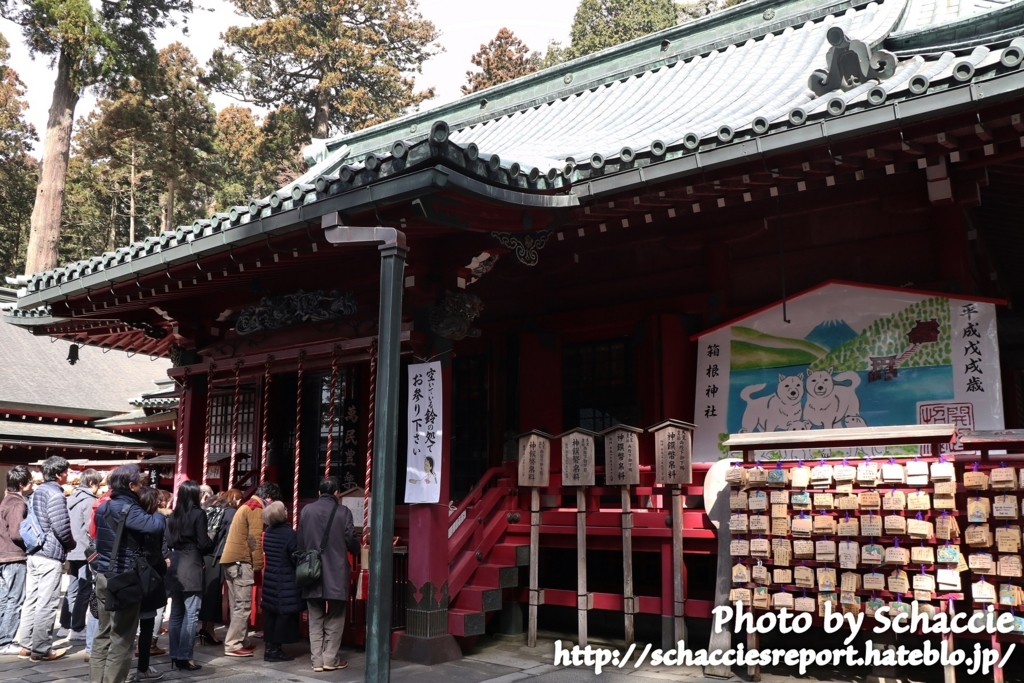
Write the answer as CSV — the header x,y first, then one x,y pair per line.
x,y
46,565
328,599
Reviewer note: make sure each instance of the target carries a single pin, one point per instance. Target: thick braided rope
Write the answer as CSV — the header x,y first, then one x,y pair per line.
x,y
181,434
369,442
236,409
332,414
209,419
265,444
298,443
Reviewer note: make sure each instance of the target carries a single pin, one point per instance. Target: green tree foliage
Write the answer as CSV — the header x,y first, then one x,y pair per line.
x,y
165,127
344,64
91,44
257,156
504,58
600,24
17,168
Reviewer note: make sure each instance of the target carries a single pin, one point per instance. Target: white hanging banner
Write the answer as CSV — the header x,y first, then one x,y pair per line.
x,y
423,458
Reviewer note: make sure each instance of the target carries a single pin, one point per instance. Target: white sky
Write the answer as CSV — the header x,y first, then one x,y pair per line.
x,y
463,25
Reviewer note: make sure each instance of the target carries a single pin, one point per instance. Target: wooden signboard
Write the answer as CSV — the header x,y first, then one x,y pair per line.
x,y
534,458
578,458
673,441
621,455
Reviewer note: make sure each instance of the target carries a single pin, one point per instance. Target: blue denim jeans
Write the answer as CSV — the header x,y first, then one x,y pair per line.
x,y
12,592
184,622
92,624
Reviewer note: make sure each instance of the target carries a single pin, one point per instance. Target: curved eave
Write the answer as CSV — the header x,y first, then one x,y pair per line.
x,y
888,115
387,191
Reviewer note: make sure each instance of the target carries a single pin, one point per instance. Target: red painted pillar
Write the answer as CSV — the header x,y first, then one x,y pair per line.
x,y
678,368
191,430
426,639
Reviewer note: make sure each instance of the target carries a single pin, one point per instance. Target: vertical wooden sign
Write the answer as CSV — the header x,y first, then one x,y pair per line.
x,y
578,470
622,455
673,441
534,471
622,468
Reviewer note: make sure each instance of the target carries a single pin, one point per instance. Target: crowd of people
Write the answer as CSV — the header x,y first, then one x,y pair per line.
x,y
130,551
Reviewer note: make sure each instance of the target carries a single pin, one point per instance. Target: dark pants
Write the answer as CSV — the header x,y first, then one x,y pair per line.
x,y
76,599
145,642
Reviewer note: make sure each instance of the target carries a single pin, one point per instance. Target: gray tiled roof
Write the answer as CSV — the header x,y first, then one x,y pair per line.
x,y
34,371
739,75
17,430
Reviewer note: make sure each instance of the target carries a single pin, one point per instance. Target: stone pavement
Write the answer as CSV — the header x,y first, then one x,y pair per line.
x,y
492,660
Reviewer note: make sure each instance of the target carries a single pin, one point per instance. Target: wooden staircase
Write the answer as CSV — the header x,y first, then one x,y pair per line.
x,y
482,561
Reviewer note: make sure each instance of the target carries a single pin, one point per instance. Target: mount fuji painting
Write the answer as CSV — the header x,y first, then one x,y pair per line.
x,y
831,333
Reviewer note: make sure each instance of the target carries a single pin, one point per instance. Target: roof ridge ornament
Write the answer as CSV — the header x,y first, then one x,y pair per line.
x,y
850,64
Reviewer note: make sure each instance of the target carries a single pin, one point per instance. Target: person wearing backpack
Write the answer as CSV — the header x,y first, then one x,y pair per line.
x,y
112,648
47,516
12,556
326,526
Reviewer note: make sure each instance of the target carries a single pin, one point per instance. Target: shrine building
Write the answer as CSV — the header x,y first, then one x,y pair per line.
x,y
565,246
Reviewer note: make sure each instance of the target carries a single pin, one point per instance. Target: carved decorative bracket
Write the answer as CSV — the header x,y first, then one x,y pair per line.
x,y
276,312
524,245
452,317
850,64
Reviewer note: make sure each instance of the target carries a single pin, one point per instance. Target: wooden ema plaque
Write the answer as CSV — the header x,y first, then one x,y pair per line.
x,y
673,447
621,455
534,458
578,457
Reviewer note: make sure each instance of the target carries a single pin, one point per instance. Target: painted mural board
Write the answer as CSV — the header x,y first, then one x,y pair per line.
x,y
850,356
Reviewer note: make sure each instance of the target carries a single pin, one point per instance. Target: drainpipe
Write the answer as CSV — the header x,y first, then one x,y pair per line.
x,y
385,438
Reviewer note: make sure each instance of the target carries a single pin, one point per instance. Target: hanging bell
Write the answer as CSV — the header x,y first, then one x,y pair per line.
x,y
73,354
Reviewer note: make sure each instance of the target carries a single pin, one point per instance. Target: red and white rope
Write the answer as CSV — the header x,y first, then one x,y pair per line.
x,y
369,443
209,419
180,475
265,445
332,413
298,442
236,410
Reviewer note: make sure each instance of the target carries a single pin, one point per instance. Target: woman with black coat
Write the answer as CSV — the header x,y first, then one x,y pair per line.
x,y
157,555
220,510
188,540
282,601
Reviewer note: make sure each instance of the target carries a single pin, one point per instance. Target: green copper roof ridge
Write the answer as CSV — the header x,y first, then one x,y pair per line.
x,y
562,80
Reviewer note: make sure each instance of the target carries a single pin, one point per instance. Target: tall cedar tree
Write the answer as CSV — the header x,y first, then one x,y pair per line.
x,y
257,157
505,58
167,128
100,43
344,64
599,24
17,167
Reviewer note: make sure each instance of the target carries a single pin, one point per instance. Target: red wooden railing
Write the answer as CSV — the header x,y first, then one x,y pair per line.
x,y
476,525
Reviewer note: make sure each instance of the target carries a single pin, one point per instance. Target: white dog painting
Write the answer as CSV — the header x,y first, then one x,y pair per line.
x,y
775,411
829,403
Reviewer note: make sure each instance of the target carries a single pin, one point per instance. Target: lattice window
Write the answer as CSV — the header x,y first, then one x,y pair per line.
x,y
598,385
220,429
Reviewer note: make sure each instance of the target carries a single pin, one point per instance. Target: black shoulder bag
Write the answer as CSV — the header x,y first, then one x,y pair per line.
x,y
123,588
136,582
308,564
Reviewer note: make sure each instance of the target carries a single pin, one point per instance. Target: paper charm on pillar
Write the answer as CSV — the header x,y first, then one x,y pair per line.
x,y
673,448
622,455
578,457
534,458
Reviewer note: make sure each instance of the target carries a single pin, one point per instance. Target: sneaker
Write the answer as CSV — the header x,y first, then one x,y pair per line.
x,y
338,664
49,656
61,633
148,675
318,669
242,652
10,650
76,635
24,653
